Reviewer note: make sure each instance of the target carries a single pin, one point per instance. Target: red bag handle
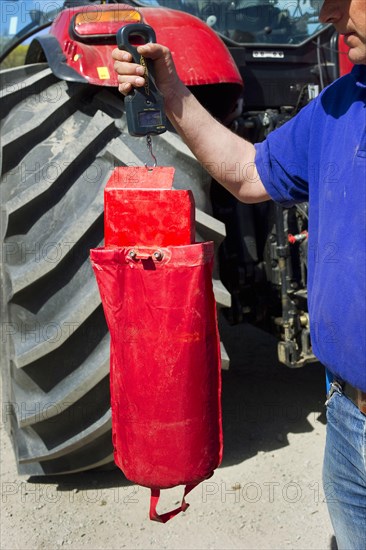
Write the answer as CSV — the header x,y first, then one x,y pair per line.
x,y
163,518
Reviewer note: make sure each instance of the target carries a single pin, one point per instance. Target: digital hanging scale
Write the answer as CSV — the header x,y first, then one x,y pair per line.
x,y
144,106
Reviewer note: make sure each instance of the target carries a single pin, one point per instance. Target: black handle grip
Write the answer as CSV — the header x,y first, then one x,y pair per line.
x,y
145,34
140,31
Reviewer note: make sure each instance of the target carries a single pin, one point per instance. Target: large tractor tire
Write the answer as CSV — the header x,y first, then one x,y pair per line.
x,y
59,143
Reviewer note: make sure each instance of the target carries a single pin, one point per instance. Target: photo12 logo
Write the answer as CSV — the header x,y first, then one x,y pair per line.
x,y
252,492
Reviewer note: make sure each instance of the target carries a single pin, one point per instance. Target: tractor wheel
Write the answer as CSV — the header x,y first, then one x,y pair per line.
x,y
59,144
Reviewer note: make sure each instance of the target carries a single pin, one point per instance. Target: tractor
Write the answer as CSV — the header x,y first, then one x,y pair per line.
x,y
253,64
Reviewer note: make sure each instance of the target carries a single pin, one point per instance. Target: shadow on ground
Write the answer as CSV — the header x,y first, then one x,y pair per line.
x,y
262,400
83,481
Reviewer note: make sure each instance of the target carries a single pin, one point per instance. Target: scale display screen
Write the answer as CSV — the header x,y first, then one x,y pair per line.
x,y
150,118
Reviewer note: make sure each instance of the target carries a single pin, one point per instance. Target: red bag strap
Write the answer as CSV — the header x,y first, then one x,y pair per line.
x,y
163,518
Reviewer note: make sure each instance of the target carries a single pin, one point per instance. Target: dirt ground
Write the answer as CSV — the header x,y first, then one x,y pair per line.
x,y
266,494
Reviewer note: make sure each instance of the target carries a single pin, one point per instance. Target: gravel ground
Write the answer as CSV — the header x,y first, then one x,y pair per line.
x,y
266,494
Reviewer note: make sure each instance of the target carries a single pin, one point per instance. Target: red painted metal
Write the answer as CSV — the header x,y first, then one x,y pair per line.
x,y
345,65
200,56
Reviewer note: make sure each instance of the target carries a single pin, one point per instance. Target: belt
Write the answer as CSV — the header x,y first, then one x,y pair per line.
x,y
357,396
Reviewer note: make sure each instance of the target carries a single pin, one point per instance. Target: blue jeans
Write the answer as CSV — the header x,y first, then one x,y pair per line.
x,y
344,472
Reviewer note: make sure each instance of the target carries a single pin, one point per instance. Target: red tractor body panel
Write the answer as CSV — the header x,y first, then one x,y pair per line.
x,y
200,56
345,65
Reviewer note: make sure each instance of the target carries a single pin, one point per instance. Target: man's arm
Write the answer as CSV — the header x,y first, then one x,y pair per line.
x,y
226,156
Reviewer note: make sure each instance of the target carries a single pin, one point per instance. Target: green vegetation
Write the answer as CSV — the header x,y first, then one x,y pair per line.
x,y
15,58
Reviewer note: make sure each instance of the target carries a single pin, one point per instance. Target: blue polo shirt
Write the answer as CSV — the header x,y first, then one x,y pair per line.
x,y
320,156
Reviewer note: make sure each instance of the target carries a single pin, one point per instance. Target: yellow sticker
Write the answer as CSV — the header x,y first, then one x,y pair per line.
x,y
103,73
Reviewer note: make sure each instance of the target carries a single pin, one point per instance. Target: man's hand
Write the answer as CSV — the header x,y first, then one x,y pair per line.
x,y
226,156
131,75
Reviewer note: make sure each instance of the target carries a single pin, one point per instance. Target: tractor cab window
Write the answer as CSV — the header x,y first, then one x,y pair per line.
x,y
254,21
20,19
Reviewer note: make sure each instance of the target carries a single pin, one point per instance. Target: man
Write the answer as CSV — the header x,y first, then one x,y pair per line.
x,y
320,157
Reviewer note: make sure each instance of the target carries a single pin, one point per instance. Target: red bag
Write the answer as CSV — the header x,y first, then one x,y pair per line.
x,y
165,364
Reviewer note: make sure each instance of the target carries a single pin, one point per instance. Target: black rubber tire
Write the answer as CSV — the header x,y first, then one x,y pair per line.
x,y
59,143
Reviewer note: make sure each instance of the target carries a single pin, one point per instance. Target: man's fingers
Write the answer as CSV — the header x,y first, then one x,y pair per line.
x,y
152,50
125,68
133,80
130,75
126,83
125,88
121,55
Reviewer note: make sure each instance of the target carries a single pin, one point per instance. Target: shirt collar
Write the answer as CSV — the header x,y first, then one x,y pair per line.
x,y
359,74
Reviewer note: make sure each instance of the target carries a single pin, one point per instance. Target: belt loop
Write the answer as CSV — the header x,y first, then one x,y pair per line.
x,y
336,386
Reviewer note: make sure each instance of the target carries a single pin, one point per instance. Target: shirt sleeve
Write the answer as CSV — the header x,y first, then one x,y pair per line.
x,y
282,160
